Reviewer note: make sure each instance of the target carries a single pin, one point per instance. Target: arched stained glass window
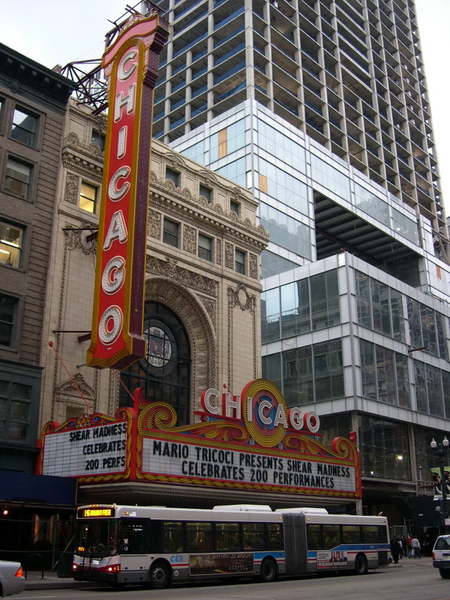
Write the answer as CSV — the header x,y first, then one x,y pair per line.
x,y
165,371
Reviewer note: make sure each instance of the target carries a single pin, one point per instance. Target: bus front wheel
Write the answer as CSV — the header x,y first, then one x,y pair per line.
x,y
361,564
159,576
268,570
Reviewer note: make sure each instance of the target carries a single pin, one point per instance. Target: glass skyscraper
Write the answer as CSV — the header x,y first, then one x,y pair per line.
x,y
348,73
320,108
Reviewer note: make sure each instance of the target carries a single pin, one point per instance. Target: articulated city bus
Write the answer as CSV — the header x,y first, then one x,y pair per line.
x,y
158,546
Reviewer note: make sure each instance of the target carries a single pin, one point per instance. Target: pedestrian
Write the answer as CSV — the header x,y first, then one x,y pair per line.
x,y
405,546
395,549
400,547
415,546
409,540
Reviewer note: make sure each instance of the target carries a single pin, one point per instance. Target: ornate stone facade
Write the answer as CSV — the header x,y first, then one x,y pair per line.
x,y
218,306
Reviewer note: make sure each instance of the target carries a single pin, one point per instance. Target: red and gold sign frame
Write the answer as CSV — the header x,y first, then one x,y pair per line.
x,y
253,452
131,67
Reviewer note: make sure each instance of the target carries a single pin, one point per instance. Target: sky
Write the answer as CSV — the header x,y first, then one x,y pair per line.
x,y
52,32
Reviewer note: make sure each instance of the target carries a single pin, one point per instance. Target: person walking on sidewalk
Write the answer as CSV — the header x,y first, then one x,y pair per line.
x,y
415,547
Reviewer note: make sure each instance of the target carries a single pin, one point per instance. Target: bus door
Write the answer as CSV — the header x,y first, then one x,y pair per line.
x,y
296,551
134,544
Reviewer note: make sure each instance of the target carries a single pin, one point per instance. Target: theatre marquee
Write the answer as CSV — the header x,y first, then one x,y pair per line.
x,y
249,441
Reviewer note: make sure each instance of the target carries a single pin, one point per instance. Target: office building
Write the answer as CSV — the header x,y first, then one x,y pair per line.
x,y
321,109
33,104
347,73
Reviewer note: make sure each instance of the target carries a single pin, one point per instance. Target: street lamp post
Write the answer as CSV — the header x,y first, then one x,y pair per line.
x,y
441,453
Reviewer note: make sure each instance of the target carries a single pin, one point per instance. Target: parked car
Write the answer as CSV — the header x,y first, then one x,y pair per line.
x,y
441,555
12,580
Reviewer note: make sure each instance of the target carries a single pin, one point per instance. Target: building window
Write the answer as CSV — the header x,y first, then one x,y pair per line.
x,y
239,261
205,247
379,306
15,411
206,192
235,207
88,197
427,329
263,183
10,244
98,139
8,307
18,178
172,175
24,127
384,376
223,143
171,233
385,450
165,371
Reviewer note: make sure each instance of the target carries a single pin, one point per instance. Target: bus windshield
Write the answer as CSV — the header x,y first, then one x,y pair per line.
x,y
98,538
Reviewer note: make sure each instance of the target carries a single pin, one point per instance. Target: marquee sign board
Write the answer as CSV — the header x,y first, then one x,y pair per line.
x,y
93,446
131,67
250,441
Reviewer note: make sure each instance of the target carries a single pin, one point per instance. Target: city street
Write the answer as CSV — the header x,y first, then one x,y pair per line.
x,y
414,579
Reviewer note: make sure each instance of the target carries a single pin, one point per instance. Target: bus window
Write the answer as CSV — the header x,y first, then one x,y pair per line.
x,y
199,538
254,536
134,536
98,538
351,534
173,537
374,533
314,537
275,533
227,537
331,536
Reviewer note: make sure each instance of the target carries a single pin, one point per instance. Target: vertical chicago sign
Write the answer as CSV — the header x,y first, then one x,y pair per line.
x,y
131,67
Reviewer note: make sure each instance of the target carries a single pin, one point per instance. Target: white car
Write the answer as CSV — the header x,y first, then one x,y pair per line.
x,y
441,555
12,580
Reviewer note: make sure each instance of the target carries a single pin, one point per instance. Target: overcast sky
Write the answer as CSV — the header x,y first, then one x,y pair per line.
x,y
53,32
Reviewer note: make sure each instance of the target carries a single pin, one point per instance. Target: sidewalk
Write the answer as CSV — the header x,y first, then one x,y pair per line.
x,y
51,580
409,562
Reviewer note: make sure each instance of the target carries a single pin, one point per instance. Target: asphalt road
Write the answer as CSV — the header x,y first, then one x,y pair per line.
x,y
412,579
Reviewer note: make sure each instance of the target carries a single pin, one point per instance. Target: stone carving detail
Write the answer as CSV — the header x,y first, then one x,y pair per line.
x,y
67,392
218,246
175,160
241,298
169,185
186,278
154,220
209,176
189,239
229,256
71,191
74,141
85,159
160,187
76,239
210,307
253,266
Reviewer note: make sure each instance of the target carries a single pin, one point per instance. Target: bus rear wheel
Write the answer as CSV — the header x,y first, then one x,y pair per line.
x,y
268,570
361,564
159,576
